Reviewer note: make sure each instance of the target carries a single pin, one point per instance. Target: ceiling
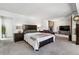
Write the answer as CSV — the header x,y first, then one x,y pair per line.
x,y
38,10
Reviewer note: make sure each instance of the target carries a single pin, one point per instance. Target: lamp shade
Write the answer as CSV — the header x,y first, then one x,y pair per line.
x,y
38,25
76,18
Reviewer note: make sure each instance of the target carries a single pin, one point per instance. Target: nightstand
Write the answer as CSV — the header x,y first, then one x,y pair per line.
x,y
18,37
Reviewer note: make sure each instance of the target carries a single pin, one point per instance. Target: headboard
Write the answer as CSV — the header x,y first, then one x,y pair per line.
x,y
29,28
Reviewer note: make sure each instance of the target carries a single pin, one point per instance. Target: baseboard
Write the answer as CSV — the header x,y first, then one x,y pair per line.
x,y
11,39
62,35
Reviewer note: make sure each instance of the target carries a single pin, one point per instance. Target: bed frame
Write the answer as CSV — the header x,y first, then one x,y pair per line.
x,y
45,42
35,28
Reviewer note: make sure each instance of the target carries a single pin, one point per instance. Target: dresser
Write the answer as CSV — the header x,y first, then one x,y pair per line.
x,y
18,37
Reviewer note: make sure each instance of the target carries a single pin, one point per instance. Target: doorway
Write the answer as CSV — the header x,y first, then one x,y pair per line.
x,y
51,25
6,28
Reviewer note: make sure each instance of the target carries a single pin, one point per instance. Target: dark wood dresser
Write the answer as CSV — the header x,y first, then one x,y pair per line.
x,y
77,34
18,37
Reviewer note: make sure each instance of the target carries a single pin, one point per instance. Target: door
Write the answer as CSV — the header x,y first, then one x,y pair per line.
x,y
50,25
77,34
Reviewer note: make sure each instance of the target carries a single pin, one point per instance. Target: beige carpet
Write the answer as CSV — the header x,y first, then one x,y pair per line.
x,y
60,47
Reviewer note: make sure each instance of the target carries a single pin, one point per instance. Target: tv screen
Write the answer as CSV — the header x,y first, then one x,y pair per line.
x,y
64,28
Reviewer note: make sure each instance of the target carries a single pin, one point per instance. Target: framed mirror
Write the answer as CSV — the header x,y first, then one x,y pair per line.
x,y
76,18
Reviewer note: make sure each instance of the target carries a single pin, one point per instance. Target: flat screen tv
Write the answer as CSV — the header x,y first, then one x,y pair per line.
x,y
64,28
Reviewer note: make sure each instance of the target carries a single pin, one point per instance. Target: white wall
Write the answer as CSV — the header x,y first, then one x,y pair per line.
x,y
60,22
21,19
77,6
74,23
57,22
73,28
12,20
44,22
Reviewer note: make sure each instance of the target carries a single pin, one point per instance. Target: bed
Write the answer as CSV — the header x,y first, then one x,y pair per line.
x,y
37,39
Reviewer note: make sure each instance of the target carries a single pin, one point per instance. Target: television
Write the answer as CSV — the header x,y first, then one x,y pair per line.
x,y
64,28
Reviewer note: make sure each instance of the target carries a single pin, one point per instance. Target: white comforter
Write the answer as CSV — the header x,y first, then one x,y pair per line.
x,y
34,38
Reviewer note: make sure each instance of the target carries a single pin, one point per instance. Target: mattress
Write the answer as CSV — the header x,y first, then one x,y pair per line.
x,y
35,38
41,37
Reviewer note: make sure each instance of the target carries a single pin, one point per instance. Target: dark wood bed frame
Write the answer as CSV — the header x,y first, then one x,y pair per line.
x,y
46,42
35,28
